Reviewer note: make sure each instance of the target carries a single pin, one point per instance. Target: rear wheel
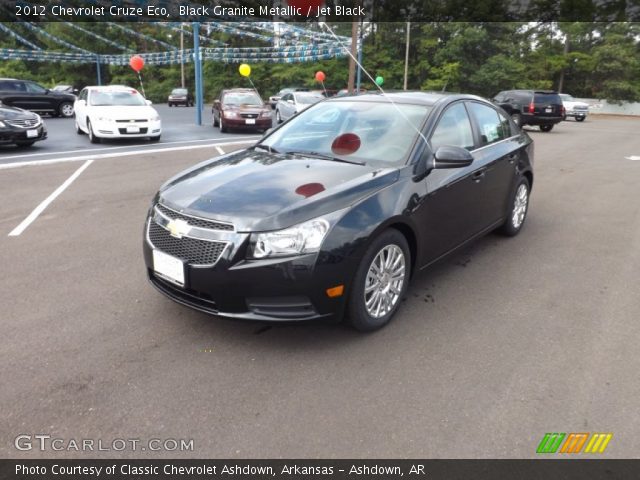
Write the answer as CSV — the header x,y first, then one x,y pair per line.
x,y
92,136
380,282
66,109
546,128
518,209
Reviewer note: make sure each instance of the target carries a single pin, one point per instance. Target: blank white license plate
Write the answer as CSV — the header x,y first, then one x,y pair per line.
x,y
548,109
32,133
250,121
133,129
169,267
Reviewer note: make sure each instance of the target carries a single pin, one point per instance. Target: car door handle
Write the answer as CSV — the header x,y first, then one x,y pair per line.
x,y
479,175
513,157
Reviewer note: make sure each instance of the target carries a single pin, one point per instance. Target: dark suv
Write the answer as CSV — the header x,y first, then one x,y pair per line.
x,y
31,96
532,107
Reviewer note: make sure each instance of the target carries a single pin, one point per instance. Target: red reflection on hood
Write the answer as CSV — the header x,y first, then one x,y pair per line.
x,y
346,144
309,189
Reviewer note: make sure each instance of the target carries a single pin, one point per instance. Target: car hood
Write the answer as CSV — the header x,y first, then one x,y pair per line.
x,y
8,113
123,112
260,191
569,103
246,108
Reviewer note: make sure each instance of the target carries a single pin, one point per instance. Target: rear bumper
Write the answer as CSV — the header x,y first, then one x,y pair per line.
x,y
528,119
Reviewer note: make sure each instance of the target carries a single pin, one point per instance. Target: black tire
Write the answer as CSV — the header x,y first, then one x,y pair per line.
x,y
547,127
92,137
357,315
517,119
170,105
580,119
78,129
155,139
215,122
65,109
25,144
223,129
564,118
278,117
511,227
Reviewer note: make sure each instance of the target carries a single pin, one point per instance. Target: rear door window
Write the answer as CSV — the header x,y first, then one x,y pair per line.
x,y
491,128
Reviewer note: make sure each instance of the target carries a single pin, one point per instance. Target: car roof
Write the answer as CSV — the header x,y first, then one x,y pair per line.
x,y
110,88
409,97
238,90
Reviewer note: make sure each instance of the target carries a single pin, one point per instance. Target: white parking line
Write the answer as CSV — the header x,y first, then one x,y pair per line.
x,y
108,149
40,208
77,158
220,151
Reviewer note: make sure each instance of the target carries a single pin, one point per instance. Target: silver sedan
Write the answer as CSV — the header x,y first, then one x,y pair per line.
x,y
294,102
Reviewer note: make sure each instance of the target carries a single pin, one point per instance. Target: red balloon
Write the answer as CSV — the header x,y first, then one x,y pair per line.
x,y
136,62
320,76
309,189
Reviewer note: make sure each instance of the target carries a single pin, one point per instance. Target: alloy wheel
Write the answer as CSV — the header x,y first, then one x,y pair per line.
x,y
384,281
520,206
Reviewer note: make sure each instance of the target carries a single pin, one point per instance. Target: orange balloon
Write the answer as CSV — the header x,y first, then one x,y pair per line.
x,y
320,76
136,62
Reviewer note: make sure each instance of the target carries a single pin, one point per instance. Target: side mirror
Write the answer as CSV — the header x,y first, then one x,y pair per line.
x,y
81,102
448,156
75,91
216,103
290,101
149,102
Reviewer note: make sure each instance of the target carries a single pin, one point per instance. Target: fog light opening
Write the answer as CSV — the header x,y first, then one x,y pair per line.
x,y
336,291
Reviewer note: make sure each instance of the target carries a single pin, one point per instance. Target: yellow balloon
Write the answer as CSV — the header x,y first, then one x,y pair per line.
x,y
245,70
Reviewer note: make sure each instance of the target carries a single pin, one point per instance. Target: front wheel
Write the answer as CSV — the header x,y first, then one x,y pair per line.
x,y
66,109
92,136
223,129
518,209
25,144
78,129
580,119
547,127
380,283
278,117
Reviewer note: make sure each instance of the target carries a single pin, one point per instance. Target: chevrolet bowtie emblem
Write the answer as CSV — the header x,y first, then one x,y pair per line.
x,y
178,228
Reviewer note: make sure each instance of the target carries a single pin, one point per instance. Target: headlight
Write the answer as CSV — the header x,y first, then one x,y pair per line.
x,y
2,124
155,118
304,238
266,114
104,119
229,113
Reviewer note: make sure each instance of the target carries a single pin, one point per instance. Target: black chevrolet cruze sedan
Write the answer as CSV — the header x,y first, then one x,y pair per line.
x,y
20,127
331,213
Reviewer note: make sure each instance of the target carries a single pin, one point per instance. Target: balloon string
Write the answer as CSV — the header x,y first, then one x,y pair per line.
x,y
325,90
141,85
254,87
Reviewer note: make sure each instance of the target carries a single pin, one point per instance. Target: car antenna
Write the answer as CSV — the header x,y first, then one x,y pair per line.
x,y
324,24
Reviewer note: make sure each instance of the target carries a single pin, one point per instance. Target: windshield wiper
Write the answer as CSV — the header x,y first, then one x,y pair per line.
x,y
306,153
267,148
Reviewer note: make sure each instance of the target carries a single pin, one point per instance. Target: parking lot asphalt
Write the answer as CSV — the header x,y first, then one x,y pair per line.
x,y
179,131
493,347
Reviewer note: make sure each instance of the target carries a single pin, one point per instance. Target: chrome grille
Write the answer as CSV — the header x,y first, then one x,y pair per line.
x,y
191,250
140,120
23,123
194,221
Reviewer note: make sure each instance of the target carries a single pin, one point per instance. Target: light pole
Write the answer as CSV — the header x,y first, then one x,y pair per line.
x,y
406,53
182,52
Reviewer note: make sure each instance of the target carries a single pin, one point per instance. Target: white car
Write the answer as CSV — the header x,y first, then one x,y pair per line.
x,y
573,108
115,112
294,102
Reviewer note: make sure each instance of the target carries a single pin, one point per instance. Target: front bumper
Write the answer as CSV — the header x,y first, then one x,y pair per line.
x,y
577,113
276,289
122,130
10,135
261,123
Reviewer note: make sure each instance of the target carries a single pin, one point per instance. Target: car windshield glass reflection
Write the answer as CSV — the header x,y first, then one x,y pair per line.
x,y
179,91
129,98
242,99
308,98
369,132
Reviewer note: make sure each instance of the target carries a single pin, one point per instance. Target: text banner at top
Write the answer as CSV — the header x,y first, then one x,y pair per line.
x,y
317,10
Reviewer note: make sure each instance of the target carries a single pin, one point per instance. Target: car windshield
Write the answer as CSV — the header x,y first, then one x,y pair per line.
x,y
120,97
179,91
370,132
243,98
59,88
308,98
566,97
